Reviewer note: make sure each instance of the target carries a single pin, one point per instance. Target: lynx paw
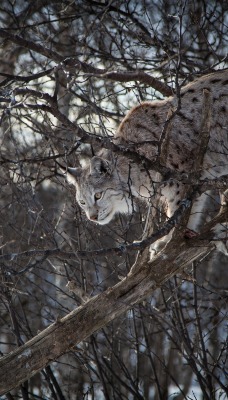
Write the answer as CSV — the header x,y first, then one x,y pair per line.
x,y
189,233
221,237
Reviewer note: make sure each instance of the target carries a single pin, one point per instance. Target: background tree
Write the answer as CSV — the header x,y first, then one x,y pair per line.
x,y
69,72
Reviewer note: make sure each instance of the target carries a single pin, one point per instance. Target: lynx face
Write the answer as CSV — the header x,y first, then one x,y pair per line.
x,y
100,191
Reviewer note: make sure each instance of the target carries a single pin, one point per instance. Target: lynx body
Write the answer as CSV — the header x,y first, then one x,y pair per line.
x,y
109,183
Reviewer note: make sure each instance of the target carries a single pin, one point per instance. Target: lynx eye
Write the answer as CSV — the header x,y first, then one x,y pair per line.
x,y
98,195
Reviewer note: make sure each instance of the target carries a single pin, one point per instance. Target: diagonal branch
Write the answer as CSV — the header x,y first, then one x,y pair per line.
x,y
75,327
72,63
140,76
19,78
28,44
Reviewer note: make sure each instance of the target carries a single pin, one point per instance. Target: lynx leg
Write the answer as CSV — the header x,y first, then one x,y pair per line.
x,y
199,212
224,199
171,196
221,230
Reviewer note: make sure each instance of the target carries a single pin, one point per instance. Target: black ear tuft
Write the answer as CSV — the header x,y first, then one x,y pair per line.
x,y
100,166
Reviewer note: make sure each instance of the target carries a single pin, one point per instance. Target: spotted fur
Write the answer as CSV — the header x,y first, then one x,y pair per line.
x,y
119,180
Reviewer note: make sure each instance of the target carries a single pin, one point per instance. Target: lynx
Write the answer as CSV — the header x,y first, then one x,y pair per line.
x,y
109,183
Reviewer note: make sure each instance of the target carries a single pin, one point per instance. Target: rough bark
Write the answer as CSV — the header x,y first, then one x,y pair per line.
x,y
64,334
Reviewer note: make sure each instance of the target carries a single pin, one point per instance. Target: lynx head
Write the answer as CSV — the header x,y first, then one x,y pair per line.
x,y
100,191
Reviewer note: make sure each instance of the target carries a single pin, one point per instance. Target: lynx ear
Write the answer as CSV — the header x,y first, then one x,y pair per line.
x,y
72,174
100,166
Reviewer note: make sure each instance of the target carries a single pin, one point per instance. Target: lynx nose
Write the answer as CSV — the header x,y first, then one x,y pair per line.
x,y
93,217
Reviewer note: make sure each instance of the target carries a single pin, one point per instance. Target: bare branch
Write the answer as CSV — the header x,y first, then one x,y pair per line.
x,y
29,78
128,76
67,332
69,63
201,239
28,44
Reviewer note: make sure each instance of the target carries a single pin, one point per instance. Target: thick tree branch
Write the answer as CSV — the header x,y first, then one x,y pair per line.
x,y
69,331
